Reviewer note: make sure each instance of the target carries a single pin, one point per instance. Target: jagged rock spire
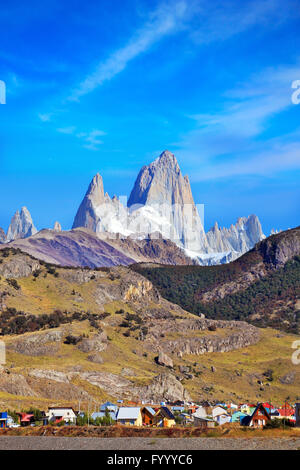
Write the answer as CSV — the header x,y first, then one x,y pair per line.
x,y
86,216
21,225
57,227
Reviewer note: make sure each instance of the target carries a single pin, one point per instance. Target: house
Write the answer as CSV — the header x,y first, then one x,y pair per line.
x,y
245,408
200,413
237,416
268,407
258,419
232,406
220,415
164,417
59,414
176,408
218,410
148,414
287,411
297,414
3,419
205,423
223,419
26,419
129,416
186,419
109,406
192,409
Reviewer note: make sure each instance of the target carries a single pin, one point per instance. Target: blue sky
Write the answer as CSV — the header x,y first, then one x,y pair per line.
x,y
106,86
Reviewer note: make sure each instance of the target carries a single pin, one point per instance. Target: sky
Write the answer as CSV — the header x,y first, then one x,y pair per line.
x,y
105,86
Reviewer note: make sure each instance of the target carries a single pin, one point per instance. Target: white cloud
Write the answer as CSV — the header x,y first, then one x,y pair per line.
x,y
90,139
168,19
67,130
222,20
228,142
46,117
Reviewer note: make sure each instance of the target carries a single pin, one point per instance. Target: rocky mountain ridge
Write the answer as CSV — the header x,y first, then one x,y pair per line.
x,y
262,286
161,202
160,206
83,247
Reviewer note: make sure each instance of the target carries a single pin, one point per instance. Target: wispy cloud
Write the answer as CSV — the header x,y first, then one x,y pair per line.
x,y
46,117
90,140
228,143
168,19
67,130
249,106
224,20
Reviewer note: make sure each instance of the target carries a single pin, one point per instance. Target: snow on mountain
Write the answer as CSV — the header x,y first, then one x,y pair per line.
x,y
161,202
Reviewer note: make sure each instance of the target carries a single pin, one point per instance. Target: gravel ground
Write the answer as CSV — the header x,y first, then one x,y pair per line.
x,y
141,443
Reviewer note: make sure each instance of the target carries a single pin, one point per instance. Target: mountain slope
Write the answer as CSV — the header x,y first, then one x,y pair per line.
x,y
89,335
262,286
82,247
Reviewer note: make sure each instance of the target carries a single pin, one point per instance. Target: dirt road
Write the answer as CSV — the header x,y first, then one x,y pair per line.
x,y
91,443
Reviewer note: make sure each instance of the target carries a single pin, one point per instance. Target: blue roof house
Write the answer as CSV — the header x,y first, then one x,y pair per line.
x,y
109,406
3,419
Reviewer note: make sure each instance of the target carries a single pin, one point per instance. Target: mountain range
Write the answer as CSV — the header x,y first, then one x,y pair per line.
x,y
105,334
160,207
261,287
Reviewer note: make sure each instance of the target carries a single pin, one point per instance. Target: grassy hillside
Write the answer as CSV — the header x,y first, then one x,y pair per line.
x,y
75,335
261,287
270,301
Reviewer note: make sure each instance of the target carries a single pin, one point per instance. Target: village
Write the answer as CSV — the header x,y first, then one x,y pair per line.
x,y
165,415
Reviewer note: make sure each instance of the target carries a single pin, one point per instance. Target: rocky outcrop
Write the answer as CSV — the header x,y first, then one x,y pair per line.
x,y
16,384
98,343
164,360
288,379
164,387
21,226
41,344
279,248
2,235
238,335
57,227
48,374
20,265
111,383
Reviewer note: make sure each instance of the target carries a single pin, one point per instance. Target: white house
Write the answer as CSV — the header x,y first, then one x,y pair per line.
x,y
129,416
58,414
220,415
218,410
200,412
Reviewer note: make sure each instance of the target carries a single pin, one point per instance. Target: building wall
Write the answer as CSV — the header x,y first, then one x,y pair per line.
x,y
297,414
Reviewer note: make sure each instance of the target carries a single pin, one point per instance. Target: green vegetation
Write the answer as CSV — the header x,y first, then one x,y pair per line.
x,y
17,322
277,292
